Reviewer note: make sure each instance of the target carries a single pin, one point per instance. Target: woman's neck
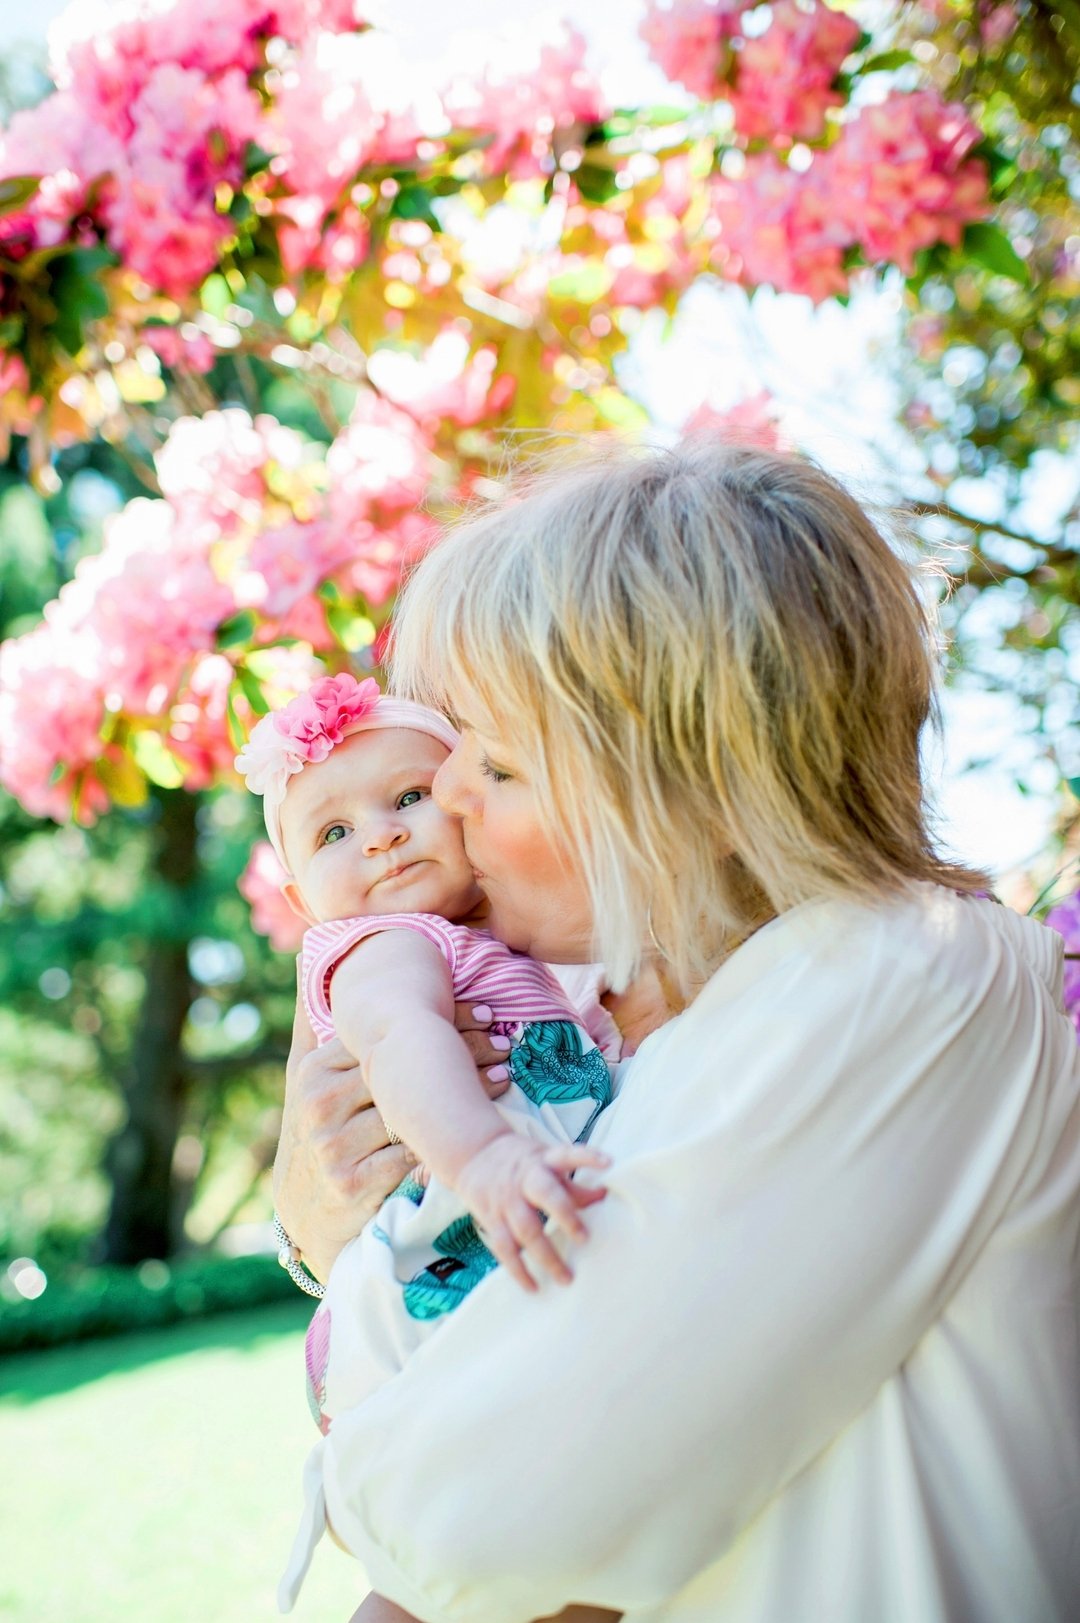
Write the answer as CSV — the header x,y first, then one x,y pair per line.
x,y
647,1003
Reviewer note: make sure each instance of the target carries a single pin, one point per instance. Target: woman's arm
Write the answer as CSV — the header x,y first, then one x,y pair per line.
x,y
807,1164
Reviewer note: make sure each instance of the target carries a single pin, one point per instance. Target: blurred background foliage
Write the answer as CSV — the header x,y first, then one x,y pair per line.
x,y
94,920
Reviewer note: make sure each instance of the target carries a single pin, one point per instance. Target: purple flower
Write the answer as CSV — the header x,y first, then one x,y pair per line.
x,y
1065,919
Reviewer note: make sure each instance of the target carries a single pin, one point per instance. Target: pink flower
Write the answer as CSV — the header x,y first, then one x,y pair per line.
x,y
148,602
780,228
380,459
753,421
529,86
324,125
448,382
688,40
1065,919
188,135
198,722
901,177
106,49
784,77
382,552
306,729
51,714
213,469
260,886
61,142
290,561
181,353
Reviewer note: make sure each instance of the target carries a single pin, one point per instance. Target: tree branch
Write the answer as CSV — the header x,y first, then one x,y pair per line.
x,y
968,521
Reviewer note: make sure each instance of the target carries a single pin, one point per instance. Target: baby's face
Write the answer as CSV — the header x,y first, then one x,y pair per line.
x,y
363,836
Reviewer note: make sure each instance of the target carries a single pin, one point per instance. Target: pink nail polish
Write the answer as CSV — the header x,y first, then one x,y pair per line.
x,y
502,1044
481,1012
497,1073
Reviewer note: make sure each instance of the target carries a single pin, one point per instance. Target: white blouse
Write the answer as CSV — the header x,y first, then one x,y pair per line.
x,y
821,1356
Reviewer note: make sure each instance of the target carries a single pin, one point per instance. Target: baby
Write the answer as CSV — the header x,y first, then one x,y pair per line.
x,y
381,875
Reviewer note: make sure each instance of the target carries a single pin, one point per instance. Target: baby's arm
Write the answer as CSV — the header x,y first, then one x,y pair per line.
x,y
393,1006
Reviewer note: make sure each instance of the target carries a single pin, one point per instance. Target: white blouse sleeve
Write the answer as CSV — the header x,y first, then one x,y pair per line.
x,y
807,1163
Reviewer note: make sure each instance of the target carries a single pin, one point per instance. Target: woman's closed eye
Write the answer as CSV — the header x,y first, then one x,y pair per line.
x,y
496,774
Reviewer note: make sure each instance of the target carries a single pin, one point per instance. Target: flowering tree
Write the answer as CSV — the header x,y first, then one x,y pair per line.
x,y
222,196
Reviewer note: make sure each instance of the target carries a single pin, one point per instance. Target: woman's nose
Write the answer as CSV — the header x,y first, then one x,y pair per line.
x,y
446,787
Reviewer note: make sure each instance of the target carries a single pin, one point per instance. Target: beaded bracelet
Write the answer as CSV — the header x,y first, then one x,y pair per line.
x,y
289,1258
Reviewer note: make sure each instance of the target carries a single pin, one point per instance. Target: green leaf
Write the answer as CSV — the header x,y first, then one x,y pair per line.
x,y
584,283
353,631
252,690
215,295
988,245
232,722
16,190
237,630
75,288
1074,785
414,203
256,159
887,62
159,763
618,409
595,183
11,331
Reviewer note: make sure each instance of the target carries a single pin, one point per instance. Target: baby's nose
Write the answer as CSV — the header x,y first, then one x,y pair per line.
x,y
381,835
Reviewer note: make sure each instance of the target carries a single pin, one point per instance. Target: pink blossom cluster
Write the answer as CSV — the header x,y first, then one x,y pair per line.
x,y
900,177
688,40
249,521
148,133
214,469
780,81
529,88
1065,919
784,78
449,382
260,886
752,421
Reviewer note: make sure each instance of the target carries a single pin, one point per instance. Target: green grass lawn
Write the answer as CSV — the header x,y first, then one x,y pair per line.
x,y
156,1477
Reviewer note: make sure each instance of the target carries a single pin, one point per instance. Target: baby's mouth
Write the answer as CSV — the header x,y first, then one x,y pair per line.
x,y
394,873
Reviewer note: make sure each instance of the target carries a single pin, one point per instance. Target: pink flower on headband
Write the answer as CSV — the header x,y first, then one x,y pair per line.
x,y
304,730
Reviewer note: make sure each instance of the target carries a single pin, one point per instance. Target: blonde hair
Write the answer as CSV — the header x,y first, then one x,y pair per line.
x,y
717,671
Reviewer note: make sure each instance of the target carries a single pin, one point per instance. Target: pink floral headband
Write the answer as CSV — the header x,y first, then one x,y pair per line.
x,y
310,726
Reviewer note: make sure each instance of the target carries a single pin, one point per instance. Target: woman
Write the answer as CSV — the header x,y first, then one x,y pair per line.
x,y
820,1358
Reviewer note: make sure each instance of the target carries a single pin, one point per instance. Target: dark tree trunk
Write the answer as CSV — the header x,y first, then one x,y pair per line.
x,y
140,1158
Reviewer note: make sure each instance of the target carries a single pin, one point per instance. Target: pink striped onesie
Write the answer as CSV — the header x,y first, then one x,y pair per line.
x,y
422,1254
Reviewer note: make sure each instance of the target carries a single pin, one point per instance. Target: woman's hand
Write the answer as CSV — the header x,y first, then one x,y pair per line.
x,y
489,1052
335,1164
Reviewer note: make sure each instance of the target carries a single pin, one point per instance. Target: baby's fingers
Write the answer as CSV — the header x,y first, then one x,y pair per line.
x,y
548,1190
506,1250
529,1231
568,1157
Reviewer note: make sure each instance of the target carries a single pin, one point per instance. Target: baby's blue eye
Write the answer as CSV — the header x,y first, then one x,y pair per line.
x,y
411,797
336,832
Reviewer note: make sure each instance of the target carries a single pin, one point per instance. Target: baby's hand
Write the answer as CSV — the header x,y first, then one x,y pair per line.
x,y
507,1184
